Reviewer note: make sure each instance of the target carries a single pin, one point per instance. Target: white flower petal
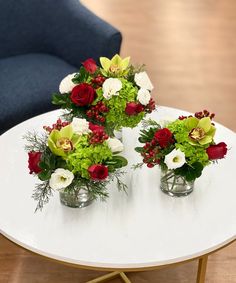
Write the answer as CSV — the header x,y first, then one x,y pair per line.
x,y
60,179
143,81
143,96
66,84
111,87
115,145
175,159
80,126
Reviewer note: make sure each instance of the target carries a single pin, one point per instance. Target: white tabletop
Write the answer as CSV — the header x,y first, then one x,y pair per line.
x,y
141,229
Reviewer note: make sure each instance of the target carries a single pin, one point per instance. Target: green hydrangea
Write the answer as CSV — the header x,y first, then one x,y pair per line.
x,y
117,104
192,152
87,154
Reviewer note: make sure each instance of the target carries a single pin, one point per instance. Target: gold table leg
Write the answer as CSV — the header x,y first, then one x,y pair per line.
x,y
201,273
110,276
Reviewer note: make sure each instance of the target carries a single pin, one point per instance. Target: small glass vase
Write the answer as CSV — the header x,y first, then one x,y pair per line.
x,y
75,197
175,185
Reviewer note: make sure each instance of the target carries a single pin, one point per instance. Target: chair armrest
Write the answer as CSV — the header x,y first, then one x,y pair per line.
x,y
63,28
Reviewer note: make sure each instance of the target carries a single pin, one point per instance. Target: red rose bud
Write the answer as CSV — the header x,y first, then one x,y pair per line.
x,y
98,172
90,65
139,108
82,94
217,151
33,162
164,137
133,108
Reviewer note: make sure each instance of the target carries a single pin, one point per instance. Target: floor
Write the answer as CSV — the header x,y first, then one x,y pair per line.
x,y
189,48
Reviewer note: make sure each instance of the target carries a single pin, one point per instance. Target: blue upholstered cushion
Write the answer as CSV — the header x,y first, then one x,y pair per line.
x,y
26,84
64,28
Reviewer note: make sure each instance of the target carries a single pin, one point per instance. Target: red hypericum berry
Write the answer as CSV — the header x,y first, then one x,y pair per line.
x,y
182,117
204,113
56,126
150,165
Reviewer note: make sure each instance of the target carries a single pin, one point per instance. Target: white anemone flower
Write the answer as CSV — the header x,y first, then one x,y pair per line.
x,y
111,87
80,126
60,179
175,159
143,81
143,96
115,145
66,84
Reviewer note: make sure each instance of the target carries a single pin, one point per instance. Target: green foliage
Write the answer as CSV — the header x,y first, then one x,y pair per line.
x,y
49,163
35,142
64,101
190,172
41,194
85,155
117,104
193,153
82,76
147,135
116,162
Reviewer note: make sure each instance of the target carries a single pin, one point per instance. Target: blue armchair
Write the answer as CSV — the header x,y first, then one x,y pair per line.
x,y
41,41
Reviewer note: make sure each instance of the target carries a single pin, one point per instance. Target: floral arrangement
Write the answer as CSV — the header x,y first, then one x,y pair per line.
x,y
184,146
70,155
114,95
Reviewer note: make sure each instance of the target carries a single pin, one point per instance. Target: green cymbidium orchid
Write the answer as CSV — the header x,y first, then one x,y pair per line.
x,y
201,131
62,142
116,66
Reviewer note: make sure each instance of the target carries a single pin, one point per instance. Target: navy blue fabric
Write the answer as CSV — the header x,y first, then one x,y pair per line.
x,y
26,85
64,28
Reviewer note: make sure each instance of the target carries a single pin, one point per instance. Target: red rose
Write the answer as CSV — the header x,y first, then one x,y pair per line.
x,y
82,94
33,162
98,172
90,65
133,108
217,151
164,137
95,128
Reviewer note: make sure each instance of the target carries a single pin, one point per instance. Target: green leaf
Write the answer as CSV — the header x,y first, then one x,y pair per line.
x,y
119,161
190,172
43,165
139,149
44,175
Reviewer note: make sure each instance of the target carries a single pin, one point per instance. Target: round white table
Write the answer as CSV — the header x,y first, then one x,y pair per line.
x,y
142,229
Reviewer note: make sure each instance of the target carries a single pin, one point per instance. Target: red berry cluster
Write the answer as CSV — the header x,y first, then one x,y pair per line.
x,y
183,117
57,126
203,114
150,152
150,106
98,81
96,112
98,136
199,115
